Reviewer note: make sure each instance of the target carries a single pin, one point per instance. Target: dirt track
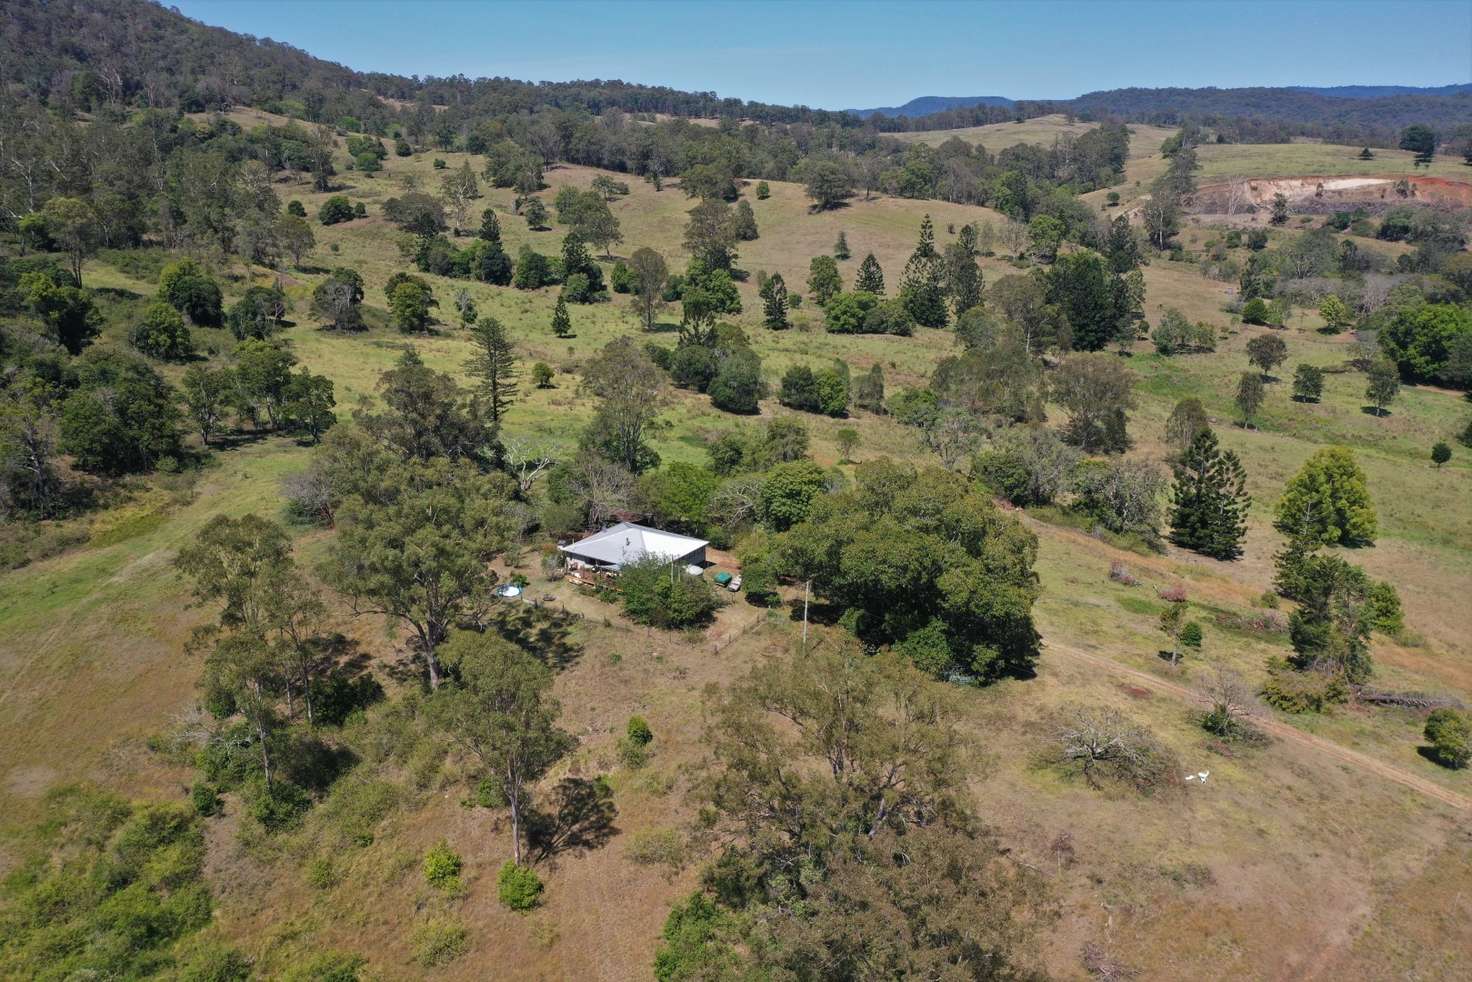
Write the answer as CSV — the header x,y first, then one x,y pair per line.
x,y
1278,729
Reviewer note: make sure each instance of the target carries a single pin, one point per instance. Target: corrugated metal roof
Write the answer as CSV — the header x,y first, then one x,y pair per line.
x,y
626,543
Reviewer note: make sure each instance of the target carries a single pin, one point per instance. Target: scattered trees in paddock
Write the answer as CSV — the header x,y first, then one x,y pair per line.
x,y
1382,385
1308,383
1266,352
1098,392
1449,732
1176,335
1104,745
823,391
824,281
1327,502
773,292
499,710
1186,420
1209,501
1250,395
870,278
629,388
894,751
922,286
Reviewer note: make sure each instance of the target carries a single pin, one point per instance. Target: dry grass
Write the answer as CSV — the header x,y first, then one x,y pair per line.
x,y
1311,867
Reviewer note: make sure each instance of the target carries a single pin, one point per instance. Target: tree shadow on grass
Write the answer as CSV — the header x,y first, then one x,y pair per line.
x,y
237,440
1428,753
580,818
1376,411
543,631
819,612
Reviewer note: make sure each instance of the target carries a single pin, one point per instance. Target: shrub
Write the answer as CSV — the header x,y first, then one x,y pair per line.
x,y
442,866
638,731
1255,311
658,847
279,807
1450,735
518,887
660,594
334,210
1120,573
632,755
622,278
161,334
192,292
321,874
206,799
490,793
1191,635
846,312
438,941
328,966
1301,692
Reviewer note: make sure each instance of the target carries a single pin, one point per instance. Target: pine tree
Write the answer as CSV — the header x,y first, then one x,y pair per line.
x,y
490,226
840,248
871,277
1209,502
494,363
774,302
561,321
963,278
743,221
922,286
869,393
967,239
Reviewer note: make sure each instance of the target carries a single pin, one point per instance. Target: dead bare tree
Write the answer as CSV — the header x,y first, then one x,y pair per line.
x,y
1233,704
526,462
1103,741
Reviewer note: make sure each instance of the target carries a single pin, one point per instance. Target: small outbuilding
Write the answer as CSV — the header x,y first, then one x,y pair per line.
x,y
625,543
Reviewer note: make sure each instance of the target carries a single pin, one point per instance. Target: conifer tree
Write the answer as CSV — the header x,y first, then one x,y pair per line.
x,y
490,226
963,278
494,363
840,248
922,288
1209,502
561,321
774,302
871,276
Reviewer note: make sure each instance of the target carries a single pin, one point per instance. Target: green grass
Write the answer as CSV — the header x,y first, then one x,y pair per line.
x,y
1221,160
91,641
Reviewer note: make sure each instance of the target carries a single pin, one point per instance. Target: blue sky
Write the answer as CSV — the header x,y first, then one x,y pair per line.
x,y
861,53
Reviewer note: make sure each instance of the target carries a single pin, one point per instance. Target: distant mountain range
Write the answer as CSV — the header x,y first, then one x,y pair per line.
x,y
1382,91
927,104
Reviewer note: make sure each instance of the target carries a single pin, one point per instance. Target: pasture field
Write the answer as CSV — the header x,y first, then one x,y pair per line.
x,y
1042,130
1290,862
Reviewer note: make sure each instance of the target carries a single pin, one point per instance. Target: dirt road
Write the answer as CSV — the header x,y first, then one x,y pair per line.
x,y
1278,729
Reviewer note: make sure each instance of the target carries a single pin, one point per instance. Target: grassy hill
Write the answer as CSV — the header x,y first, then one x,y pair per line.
x,y
1292,861
1040,129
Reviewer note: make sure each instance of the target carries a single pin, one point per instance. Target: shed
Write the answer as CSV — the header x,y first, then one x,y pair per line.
x,y
624,543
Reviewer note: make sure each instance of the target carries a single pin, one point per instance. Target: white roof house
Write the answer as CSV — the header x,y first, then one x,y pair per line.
x,y
624,543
